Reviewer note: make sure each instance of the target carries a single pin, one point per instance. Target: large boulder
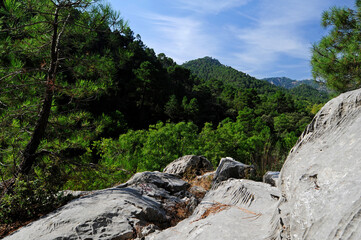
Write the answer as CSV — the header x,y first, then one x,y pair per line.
x,y
320,180
230,168
168,182
271,178
148,201
189,165
236,209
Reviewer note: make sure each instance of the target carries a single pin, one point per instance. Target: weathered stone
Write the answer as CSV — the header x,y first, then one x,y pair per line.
x,y
189,165
169,182
236,209
230,168
105,214
320,179
116,213
271,178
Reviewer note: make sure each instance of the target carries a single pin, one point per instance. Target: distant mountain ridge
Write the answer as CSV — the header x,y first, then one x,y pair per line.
x,y
290,83
208,69
211,70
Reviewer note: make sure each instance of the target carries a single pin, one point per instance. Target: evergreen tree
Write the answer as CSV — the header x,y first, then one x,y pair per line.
x,y
40,66
336,58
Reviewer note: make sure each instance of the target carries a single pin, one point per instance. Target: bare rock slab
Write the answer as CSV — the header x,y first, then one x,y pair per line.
x,y
140,206
236,209
189,165
230,168
271,178
320,180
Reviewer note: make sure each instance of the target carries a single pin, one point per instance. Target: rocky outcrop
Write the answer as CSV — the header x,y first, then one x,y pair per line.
x,y
236,209
320,180
148,201
189,165
230,168
271,178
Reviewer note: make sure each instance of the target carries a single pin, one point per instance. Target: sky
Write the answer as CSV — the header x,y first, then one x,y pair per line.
x,y
263,38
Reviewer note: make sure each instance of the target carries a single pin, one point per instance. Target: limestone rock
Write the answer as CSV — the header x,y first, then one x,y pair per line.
x,y
106,214
236,209
320,179
189,165
230,168
147,202
165,181
271,178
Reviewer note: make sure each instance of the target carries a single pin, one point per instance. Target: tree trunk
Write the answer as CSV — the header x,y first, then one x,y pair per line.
x,y
28,156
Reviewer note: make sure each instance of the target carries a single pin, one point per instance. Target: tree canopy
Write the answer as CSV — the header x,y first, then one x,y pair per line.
x,y
336,58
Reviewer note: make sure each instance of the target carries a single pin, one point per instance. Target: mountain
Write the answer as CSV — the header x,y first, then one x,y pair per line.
x,y
290,83
218,75
208,68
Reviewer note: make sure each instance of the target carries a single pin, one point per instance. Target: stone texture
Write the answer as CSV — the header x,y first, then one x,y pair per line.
x,y
145,203
271,178
236,209
320,179
189,165
168,182
230,168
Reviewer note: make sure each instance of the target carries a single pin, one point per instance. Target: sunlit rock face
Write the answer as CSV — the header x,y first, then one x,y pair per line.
x,y
320,180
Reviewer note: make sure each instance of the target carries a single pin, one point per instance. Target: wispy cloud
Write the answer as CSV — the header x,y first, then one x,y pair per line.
x,y
182,38
276,34
210,6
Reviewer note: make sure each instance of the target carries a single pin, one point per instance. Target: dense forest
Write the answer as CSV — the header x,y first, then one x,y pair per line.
x,y
85,104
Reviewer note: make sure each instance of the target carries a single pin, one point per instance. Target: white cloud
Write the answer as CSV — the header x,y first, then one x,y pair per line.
x,y
182,38
210,6
276,33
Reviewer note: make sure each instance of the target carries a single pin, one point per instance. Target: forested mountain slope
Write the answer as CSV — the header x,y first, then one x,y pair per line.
x,y
213,73
290,83
210,69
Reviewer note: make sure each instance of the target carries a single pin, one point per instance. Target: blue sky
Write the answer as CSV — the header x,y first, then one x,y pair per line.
x,y
264,38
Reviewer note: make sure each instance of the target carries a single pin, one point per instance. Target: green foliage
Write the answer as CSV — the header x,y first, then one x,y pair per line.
x,y
336,58
210,69
35,196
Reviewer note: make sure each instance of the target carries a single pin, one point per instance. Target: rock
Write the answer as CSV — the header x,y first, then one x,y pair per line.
x,y
230,168
147,202
236,209
320,180
106,214
189,165
166,181
271,178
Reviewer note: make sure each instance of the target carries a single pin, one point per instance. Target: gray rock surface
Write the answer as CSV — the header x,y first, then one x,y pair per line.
x,y
236,209
230,168
320,180
142,205
189,165
168,182
271,178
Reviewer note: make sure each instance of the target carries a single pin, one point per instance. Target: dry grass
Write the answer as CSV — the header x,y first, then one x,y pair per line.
x,y
215,208
194,180
219,207
178,212
7,229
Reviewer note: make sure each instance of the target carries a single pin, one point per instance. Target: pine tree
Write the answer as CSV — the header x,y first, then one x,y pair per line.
x,y
336,59
47,57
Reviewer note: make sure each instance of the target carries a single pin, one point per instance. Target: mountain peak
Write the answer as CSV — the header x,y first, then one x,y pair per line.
x,y
206,59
